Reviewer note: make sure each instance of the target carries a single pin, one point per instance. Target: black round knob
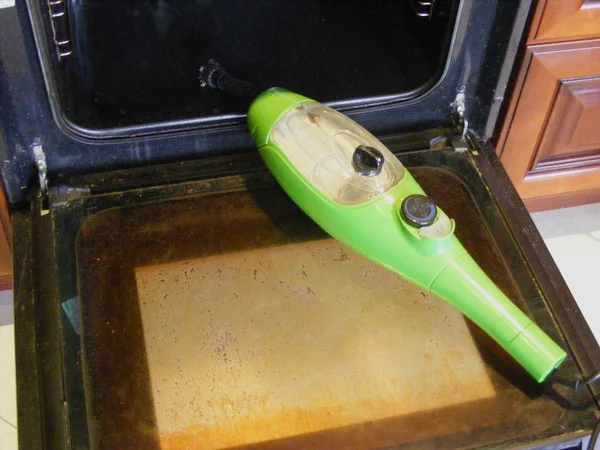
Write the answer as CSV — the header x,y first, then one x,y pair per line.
x,y
418,210
367,161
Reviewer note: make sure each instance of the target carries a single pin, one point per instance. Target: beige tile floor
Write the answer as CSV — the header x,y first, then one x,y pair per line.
x,y
573,237
8,392
571,234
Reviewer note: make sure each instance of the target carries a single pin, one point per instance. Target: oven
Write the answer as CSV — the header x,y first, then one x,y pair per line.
x,y
169,295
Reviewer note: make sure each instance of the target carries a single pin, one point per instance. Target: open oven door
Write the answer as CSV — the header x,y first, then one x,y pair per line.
x,y
195,306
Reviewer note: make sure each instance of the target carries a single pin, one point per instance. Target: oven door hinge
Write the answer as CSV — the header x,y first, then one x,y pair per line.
x,y
54,195
456,142
459,108
459,142
42,169
62,194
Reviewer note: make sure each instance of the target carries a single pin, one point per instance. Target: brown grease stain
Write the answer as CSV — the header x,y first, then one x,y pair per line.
x,y
265,434
280,367
134,395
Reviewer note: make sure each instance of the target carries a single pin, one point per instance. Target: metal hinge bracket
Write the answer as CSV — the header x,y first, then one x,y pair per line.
x,y
458,143
62,194
59,193
459,108
42,168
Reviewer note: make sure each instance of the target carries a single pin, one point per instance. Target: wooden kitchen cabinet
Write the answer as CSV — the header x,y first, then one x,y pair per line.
x,y
5,244
560,20
550,140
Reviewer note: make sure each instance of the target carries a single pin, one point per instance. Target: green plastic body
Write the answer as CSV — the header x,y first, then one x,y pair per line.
x,y
376,230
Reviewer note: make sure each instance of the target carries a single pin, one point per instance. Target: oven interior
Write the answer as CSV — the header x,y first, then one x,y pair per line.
x,y
132,63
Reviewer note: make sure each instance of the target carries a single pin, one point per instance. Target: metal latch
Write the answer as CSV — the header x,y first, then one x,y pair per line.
x,y
459,108
40,162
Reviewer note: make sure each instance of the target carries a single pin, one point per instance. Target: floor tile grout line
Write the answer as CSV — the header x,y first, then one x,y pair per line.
x,y
7,422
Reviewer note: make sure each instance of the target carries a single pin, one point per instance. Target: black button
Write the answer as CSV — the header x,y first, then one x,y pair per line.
x,y
418,210
367,161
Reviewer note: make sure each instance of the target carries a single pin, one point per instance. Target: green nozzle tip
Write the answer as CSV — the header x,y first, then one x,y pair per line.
x,y
538,354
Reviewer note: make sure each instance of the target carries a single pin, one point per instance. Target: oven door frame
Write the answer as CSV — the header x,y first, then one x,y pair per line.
x,y
28,119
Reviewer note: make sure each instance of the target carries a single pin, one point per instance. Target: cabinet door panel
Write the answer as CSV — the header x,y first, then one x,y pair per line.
x,y
561,20
571,135
553,143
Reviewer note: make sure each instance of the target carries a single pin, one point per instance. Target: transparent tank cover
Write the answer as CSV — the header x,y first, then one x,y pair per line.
x,y
321,142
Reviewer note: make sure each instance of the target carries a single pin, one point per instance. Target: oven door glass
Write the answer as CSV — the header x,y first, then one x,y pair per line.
x,y
218,316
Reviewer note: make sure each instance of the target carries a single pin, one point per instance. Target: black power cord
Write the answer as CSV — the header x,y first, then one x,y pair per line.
x,y
580,383
594,437
576,385
213,76
587,380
